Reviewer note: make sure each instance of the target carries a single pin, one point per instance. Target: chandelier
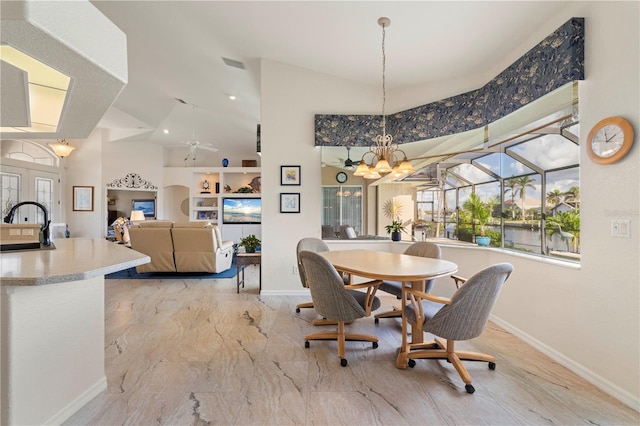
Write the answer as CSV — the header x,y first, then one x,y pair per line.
x,y
61,148
385,157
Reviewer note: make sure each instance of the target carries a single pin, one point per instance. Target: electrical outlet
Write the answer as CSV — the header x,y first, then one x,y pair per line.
x,y
295,270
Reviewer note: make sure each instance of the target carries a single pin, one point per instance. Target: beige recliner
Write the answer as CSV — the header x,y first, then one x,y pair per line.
x,y
153,238
198,247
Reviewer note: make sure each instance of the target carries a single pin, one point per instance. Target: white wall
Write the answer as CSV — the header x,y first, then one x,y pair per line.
x,y
84,168
588,318
291,97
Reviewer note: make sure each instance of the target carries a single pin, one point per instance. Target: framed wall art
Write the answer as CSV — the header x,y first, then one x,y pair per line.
x,y
289,175
83,198
289,202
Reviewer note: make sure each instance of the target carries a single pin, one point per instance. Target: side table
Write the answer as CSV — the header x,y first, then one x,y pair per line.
x,y
242,261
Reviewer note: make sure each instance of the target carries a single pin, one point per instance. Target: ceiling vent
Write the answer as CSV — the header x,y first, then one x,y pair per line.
x,y
233,63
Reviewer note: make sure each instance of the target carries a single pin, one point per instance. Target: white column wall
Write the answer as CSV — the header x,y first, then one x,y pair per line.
x,y
291,97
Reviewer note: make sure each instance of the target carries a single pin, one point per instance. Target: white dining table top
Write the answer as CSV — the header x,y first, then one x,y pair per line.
x,y
389,266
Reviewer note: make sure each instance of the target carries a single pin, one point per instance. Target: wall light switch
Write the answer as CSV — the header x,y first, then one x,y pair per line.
x,y
621,228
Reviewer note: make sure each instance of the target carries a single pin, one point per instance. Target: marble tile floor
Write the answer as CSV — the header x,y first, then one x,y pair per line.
x,y
193,352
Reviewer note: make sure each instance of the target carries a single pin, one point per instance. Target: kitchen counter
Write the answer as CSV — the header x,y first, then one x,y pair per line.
x,y
52,349
73,259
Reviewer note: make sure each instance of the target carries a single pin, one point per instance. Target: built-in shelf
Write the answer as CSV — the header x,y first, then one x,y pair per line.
x,y
221,182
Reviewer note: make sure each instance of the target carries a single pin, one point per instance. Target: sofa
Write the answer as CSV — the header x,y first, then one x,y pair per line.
x,y
181,247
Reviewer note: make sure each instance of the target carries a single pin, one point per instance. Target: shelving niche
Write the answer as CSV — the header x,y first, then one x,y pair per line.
x,y
207,206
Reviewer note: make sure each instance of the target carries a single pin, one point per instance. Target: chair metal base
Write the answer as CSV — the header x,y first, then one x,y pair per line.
x,y
303,306
340,336
395,313
439,349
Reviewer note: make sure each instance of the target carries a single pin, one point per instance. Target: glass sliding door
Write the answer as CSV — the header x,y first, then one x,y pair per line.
x,y
341,206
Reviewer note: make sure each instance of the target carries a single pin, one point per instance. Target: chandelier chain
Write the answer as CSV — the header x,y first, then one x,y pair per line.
x,y
384,87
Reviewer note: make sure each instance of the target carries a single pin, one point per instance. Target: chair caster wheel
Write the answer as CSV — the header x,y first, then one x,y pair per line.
x,y
492,366
343,362
411,363
297,310
469,388
376,320
306,344
375,345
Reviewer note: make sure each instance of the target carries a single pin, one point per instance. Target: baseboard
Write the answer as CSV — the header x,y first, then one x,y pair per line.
x,y
75,405
603,384
302,293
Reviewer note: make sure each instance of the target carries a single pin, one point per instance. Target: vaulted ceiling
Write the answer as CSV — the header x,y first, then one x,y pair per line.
x,y
176,50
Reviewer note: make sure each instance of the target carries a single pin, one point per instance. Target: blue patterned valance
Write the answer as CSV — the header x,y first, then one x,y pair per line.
x,y
554,62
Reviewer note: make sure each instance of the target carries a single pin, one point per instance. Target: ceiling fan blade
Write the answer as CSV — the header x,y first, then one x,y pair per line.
x,y
208,148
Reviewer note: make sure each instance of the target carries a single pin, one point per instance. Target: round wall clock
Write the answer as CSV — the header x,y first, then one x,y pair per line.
x,y
609,140
341,177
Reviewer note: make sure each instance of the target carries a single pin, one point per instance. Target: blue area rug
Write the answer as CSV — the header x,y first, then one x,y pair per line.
x,y
131,274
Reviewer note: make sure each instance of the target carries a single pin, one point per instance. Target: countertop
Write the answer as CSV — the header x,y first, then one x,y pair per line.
x,y
73,259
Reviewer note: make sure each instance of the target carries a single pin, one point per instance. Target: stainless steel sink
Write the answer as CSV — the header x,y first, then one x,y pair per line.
x,y
26,247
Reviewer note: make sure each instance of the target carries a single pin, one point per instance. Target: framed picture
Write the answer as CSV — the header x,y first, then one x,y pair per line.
x,y
289,175
83,198
289,202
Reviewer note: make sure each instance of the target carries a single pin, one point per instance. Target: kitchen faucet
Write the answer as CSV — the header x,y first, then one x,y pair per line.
x,y
44,228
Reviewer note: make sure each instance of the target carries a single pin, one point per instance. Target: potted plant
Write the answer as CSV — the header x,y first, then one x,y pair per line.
x,y
250,243
395,229
480,213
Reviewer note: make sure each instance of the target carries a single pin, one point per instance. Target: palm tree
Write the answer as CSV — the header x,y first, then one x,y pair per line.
x,y
510,186
522,183
573,195
555,197
478,211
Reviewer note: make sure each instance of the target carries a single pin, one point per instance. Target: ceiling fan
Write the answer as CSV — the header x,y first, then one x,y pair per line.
x,y
193,144
347,163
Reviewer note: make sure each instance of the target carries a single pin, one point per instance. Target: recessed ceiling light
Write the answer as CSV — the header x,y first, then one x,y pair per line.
x,y
165,131
232,97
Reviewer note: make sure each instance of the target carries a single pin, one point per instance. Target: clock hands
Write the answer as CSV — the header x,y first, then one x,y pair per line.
x,y
609,139
606,139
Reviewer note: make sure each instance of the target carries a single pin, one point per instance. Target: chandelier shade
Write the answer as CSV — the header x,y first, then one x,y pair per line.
x,y
384,154
61,148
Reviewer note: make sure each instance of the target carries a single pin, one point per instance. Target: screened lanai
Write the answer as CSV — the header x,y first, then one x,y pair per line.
x,y
515,181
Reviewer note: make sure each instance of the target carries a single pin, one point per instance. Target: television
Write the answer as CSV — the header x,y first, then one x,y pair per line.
x,y
236,210
148,207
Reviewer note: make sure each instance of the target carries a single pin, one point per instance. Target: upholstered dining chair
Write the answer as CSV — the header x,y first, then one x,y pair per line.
x,y
333,300
315,245
307,244
422,249
463,317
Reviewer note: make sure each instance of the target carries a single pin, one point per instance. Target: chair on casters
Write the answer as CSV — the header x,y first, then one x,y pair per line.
x,y
333,300
463,317
310,244
315,245
422,249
